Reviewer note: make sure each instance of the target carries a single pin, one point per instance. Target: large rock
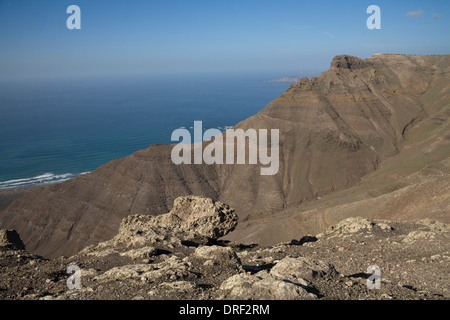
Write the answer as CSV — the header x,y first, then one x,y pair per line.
x,y
289,279
217,254
191,217
263,286
199,215
11,239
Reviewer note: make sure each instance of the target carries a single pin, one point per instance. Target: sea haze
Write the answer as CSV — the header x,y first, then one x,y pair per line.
x,y
54,130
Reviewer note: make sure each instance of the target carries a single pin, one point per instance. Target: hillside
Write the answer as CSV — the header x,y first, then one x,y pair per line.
x,y
367,137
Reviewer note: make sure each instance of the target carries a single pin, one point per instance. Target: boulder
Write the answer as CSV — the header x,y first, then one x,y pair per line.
x,y
172,268
222,255
301,268
191,217
10,239
262,286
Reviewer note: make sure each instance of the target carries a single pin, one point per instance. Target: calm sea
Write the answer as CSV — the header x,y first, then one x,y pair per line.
x,y
54,130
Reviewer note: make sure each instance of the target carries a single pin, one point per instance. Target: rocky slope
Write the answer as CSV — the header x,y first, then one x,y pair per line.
x,y
361,135
178,256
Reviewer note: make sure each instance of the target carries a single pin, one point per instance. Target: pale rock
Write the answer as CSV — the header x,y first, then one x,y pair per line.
x,y
141,253
218,254
262,286
299,269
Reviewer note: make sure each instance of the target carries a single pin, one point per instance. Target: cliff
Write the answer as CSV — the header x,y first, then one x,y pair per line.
x,y
361,124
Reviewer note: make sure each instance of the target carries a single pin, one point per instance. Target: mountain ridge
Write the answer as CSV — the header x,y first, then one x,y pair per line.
x,y
334,130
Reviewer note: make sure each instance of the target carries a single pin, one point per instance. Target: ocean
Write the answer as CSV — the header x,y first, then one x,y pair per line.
x,y
56,129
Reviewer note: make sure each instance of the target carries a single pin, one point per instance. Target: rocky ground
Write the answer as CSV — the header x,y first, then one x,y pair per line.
x,y
369,137
178,256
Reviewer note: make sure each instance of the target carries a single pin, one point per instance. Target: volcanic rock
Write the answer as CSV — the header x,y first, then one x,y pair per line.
x,y
11,239
367,137
293,270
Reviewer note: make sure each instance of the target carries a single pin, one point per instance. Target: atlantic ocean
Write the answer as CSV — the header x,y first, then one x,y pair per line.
x,y
53,130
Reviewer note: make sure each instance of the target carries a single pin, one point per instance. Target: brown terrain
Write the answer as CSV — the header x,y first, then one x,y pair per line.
x,y
179,256
367,138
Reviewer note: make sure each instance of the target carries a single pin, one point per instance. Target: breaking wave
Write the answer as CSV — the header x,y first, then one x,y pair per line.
x,y
45,178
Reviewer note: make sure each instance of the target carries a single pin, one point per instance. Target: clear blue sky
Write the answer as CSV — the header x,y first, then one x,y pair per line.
x,y
168,36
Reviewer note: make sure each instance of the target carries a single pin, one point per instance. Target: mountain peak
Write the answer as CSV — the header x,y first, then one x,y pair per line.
x,y
348,62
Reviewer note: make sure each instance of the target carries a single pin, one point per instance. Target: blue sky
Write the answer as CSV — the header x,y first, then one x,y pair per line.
x,y
167,37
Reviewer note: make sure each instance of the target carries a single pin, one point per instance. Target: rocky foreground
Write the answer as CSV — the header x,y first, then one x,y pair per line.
x,y
178,255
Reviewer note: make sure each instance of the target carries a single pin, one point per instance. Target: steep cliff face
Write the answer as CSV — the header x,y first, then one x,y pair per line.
x,y
337,127
334,129
406,100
